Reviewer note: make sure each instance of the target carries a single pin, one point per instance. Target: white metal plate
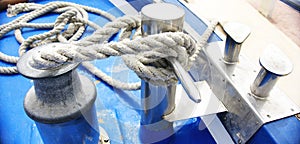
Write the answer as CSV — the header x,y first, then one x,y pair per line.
x,y
185,108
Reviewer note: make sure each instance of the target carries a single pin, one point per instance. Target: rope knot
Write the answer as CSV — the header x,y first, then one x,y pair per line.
x,y
147,56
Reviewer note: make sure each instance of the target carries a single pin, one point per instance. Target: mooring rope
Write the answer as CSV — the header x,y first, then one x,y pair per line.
x,y
146,56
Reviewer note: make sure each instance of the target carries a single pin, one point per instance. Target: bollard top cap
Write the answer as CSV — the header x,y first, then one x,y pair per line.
x,y
163,11
237,31
28,71
275,61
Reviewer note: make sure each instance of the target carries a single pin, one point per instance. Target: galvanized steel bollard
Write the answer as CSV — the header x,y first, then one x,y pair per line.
x,y
274,64
236,34
61,102
158,100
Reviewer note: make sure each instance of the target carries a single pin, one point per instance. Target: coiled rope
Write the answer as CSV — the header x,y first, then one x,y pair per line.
x,y
147,56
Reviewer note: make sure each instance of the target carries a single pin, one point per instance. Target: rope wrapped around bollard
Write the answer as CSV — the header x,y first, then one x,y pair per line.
x,y
145,56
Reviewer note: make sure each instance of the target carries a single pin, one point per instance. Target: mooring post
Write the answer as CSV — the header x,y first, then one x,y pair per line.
x,y
274,64
158,101
61,102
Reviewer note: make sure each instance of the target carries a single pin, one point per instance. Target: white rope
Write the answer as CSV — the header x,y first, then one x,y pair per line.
x,y
47,37
109,80
146,56
149,49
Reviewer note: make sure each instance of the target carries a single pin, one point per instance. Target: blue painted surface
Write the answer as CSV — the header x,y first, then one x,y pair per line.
x,y
284,131
118,111
75,131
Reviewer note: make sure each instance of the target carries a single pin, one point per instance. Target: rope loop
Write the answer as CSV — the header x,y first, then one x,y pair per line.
x,y
146,56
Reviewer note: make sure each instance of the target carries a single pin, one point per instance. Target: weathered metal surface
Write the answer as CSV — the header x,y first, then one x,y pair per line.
x,y
60,102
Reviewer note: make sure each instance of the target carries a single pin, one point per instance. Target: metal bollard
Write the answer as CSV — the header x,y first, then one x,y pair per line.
x,y
274,64
158,100
61,102
236,34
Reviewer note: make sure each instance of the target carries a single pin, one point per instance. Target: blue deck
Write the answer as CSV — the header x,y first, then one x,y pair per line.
x,y
117,110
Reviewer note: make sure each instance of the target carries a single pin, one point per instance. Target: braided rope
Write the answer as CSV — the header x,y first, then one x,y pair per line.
x,y
39,10
146,56
139,53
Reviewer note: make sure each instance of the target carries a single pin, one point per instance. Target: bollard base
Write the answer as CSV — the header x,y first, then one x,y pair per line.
x,y
80,130
64,110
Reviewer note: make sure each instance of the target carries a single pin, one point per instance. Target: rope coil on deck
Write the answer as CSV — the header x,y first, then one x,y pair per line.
x,y
147,56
